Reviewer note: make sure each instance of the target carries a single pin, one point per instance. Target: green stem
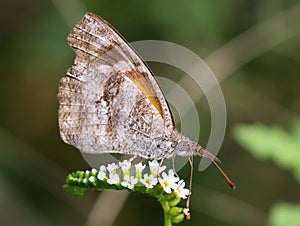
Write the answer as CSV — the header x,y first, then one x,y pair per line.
x,y
166,208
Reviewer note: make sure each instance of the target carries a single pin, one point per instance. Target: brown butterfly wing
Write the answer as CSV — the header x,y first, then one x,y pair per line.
x,y
100,42
109,100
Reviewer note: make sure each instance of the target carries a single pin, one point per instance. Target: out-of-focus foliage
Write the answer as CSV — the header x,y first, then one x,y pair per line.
x,y
255,42
283,214
273,142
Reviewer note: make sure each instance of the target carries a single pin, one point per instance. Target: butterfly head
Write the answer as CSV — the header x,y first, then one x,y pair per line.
x,y
185,147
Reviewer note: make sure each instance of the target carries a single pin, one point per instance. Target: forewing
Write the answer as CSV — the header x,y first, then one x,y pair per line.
x,y
109,100
95,40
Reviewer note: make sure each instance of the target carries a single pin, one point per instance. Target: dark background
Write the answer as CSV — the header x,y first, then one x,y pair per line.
x,y
252,47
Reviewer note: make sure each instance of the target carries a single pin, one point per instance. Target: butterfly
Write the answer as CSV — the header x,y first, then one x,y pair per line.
x,y
110,102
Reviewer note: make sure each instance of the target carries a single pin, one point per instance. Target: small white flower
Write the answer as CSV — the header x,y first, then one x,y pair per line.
x,y
111,168
139,167
102,173
155,168
94,171
187,214
171,173
149,181
181,191
125,165
102,168
168,181
129,182
139,170
84,180
113,178
91,178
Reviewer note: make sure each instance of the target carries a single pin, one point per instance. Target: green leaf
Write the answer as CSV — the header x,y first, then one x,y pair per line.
x,y
272,142
296,131
283,214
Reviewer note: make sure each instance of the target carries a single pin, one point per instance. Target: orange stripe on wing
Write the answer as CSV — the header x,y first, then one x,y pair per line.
x,y
144,84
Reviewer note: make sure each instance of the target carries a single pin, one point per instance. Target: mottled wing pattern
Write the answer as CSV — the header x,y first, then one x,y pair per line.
x,y
109,100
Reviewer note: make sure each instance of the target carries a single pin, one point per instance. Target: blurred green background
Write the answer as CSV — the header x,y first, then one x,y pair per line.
x,y
252,47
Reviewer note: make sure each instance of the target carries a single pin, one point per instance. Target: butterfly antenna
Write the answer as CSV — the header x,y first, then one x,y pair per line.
x,y
231,184
203,152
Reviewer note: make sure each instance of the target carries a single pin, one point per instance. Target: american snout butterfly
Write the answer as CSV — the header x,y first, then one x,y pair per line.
x,y
110,102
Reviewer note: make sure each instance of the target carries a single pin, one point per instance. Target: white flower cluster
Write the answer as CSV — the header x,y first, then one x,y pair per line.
x,y
169,181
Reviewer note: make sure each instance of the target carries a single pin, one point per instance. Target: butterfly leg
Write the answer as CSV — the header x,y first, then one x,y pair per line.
x,y
160,164
191,181
173,165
